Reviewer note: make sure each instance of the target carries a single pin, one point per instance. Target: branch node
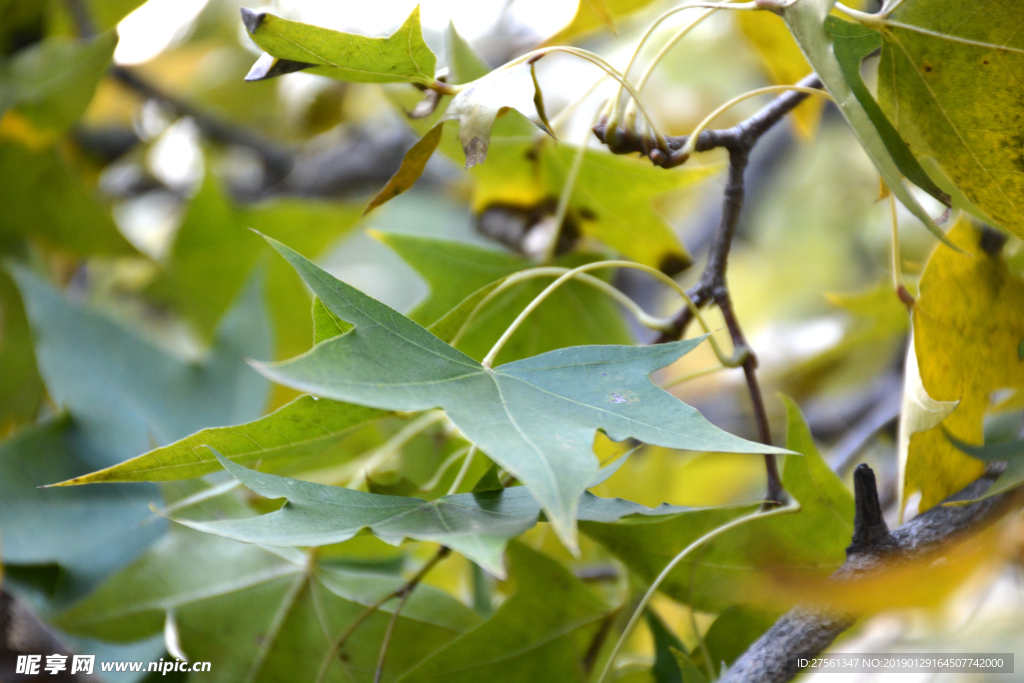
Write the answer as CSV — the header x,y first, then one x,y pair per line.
x,y
870,532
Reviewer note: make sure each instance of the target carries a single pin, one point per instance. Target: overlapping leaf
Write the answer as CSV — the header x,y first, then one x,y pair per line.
x,y
402,57
126,392
851,44
535,417
478,525
1013,452
950,80
968,327
294,611
811,542
593,14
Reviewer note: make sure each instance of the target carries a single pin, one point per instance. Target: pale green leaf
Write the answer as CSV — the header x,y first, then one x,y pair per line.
x,y
535,417
464,64
478,105
402,57
852,43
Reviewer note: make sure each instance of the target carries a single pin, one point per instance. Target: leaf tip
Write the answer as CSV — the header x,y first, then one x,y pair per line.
x,y
251,19
476,151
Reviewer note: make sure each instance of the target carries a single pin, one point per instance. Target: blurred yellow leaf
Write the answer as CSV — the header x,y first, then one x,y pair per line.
x,y
593,14
968,326
783,61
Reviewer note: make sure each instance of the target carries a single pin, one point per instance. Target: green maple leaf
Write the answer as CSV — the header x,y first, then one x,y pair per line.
x,y
402,57
478,525
535,417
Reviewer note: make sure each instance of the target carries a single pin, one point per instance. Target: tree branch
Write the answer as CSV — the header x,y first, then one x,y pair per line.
x,y
713,287
805,630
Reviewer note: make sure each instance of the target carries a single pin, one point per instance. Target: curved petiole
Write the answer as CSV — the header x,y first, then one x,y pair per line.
x,y
645,319
793,506
713,6
691,142
729,361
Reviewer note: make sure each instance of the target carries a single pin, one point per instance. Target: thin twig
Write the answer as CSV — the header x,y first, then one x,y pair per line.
x,y
401,592
713,286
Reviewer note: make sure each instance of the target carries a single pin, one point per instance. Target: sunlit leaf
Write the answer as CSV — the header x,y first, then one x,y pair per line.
x,y
402,57
535,417
811,542
124,391
949,79
539,633
968,325
483,100
464,64
294,611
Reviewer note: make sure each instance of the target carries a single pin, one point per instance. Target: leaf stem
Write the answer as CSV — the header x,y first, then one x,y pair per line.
x,y
599,62
712,6
691,143
645,319
897,261
861,17
463,471
401,592
730,361
793,506
566,194
393,445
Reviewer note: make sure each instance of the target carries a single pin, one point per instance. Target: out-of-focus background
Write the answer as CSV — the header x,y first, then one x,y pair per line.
x,y
128,208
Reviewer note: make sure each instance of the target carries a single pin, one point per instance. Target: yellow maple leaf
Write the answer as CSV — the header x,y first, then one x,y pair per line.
x,y
968,327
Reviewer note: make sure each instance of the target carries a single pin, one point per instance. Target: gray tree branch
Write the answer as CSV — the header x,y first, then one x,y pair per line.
x,y
805,630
